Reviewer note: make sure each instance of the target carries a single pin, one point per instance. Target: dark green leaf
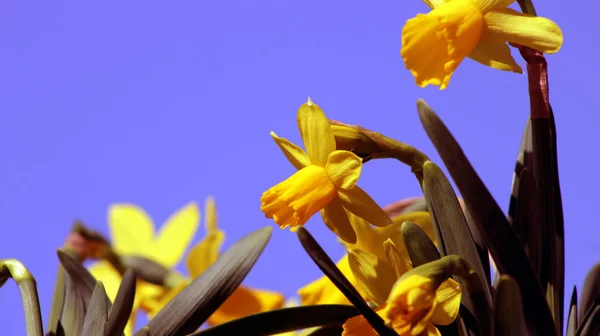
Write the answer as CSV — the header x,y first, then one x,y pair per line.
x,y
121,309
283,320
328,267
572,317
332,330
456,238
590,323
493,227
74,308
146,269
195,303
524,160
421,249
94,322
58,300
83,280
508,309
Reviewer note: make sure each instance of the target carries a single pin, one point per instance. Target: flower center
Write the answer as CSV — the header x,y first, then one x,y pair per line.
x,y
293,201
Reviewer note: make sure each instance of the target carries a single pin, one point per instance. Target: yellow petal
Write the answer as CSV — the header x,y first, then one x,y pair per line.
x,y
131,229
375,278
344,168
431,330
336,219
495,54
323,291
366,236
210,214
246,301
205,253
176,235
395,258
434,44
487,5
297,157
361,204
293,201
434,3
110,277
316,132
448,296
532,31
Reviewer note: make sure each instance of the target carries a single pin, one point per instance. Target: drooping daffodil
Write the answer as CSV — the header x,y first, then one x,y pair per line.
x,y
434,44
325,181
243,301
414,307
133,234
371,241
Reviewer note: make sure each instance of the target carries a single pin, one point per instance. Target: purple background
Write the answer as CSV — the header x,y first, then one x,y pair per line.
x,y
158,104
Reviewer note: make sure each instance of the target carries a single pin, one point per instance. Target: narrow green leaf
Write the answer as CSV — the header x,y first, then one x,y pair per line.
x,y
83,281
493,227
58,299
146,269
508,309
421,249
283,320
527,7
572,317
121,309
12,268
145,331
95,319
195,303
456,238
328,267
74,308
590,323
590,291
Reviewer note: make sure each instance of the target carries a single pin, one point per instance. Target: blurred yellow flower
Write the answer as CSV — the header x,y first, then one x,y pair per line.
x,y
244,300
434,44
325,181
133,234
413,307
371,242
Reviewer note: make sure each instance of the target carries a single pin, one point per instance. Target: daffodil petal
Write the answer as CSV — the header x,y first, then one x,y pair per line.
x,y
495,54
366,237
434,44
131,229
205,253
297,157
323,291
361,204
316,132
421,218
210,214
448,296
110,277
336,219
344,168
532,31
175,235
358,326
375,278
431,330
246,301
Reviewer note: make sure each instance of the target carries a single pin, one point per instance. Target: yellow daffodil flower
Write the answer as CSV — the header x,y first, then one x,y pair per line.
x,y
434,44
325,181
133,234
370,240
244,300
413,307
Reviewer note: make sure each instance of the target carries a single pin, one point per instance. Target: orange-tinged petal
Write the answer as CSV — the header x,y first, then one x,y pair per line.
x,y
336,219
434,44
297,157
358,326
361,204
293,201
316,132
431,330
344,168
495,54
175,235
487,5
246,301
411,304
131,229
532,31
210,214
448,296
323,291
